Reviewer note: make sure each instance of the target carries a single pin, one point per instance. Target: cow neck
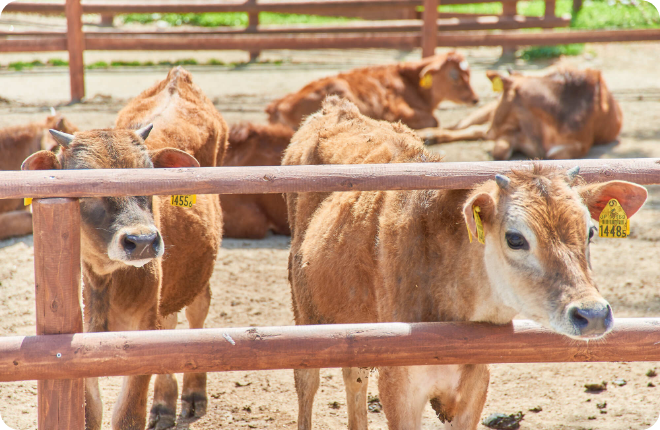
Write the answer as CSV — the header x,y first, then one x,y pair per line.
x,y
411,74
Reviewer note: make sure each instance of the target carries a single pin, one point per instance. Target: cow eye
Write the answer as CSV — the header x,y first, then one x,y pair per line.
x,y
516,240
592,231
453,73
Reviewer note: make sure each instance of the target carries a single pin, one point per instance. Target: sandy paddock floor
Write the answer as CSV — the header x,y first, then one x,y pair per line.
x,y
249,284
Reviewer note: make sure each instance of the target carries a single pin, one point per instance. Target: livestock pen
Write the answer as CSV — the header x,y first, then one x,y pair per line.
x,y
59,356
427,33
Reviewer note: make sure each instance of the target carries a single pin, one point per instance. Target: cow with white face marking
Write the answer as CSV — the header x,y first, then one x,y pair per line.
x,y
405,256
143,259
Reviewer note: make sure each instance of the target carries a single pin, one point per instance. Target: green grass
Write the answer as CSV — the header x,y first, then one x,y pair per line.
x,y
229,19
54,62
545,52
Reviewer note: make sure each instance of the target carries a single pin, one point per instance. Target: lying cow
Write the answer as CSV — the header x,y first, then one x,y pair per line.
x,y
16,144
405,256
407,92
558,116
251,216
143,259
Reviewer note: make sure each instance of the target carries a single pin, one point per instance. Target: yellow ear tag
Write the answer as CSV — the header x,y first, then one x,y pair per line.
x,y
183,201
480,227
426,81
613,221
27,201
498,85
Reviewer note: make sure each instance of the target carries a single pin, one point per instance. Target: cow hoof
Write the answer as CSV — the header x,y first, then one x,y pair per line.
x,y
193,405
161,418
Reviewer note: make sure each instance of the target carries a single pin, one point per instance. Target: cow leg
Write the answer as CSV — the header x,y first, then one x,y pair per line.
x,y
478,117
566,152
93,405
502,150
472,392
130,412
403,402
307,383
356,380
166,390
434,136
193,396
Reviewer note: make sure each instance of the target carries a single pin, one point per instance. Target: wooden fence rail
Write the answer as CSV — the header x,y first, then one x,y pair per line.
x,y
343,345
60,358
282,179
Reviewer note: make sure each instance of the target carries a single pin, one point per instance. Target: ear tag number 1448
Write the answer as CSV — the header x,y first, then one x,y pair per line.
x,y
183,201
613,221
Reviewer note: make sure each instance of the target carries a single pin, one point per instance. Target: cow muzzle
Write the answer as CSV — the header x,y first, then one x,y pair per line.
x,y
590,320
136,247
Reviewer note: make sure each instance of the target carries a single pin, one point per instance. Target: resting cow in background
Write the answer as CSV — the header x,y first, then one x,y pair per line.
x,y
250,216
557,116
16,144
143,259
408,92
406,256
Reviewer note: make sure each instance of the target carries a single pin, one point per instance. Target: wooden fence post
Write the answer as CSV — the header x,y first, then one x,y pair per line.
x,y
509,9
253,22
61,403
75,45
430,28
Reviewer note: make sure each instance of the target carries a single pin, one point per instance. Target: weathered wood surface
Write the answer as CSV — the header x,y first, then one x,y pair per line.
x,y
429,28
282,179
198,6
363,345
76,47
57,296
453,23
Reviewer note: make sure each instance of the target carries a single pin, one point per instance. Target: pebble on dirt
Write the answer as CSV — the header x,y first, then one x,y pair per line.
x,y
536,409
651,373
650,384
601,405
619,382
334,405
374,404
596,388
503,421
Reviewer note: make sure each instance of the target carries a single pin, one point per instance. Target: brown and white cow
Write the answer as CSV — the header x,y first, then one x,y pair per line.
x,y
408,92
558,116
251,216
143,259
405,256
16,144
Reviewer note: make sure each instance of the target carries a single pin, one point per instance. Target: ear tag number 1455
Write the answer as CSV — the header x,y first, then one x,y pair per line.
x,y
183,201
613,221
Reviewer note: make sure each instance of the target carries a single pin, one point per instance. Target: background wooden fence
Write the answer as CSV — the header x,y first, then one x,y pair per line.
x,y
432,31
59,358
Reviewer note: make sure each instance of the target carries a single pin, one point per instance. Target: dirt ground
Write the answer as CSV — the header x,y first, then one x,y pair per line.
x,y
250,283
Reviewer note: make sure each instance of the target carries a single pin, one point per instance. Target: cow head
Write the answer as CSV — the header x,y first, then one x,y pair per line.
x,y
116,231
448,78
538,227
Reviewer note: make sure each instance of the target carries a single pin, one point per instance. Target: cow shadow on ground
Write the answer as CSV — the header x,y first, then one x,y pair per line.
x,y
273,241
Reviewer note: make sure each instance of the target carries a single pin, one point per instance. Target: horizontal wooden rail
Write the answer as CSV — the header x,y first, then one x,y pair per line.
x,y
351,345
281,179
199,6
403,25
257,42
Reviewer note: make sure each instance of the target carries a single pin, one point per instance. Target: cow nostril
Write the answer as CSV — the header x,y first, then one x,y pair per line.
x,y
475,101
139,243
592,320
128,243
580,321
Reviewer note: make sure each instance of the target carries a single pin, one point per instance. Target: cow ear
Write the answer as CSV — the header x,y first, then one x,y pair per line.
x,y
42,160
500,82
631,196
486,204
171,157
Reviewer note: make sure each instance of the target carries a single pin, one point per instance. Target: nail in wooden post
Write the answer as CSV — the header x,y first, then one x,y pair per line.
x,y
57,274
75,45
430,28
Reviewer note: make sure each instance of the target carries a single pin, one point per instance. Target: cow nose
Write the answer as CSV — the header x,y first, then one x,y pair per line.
x,y
141,246
592,320
475,100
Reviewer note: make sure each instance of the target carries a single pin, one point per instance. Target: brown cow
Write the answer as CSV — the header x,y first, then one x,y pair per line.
x,y
405,256
250,216
144,259
558,116
16,144
406,92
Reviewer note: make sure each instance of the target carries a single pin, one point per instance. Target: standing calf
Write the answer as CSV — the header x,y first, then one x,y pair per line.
x,y
405,256
407,92
16,144
144,260
558,116
250,216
